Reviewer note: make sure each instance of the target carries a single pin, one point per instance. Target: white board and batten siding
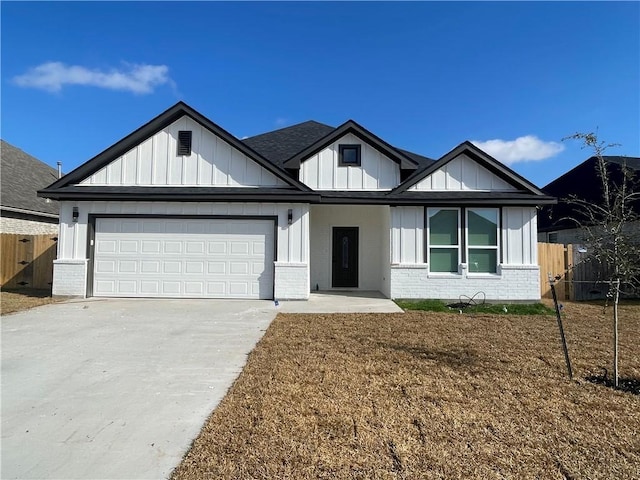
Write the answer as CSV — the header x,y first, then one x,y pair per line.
x,y
375,172
407,235
155,162
519,235
462,173
292,241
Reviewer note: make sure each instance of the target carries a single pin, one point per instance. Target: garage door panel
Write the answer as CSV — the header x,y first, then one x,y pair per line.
x,y
197,258
107,246
106,266
125,287
172,247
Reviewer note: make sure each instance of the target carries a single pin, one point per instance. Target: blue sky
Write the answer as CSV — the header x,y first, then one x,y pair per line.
x,y
514,77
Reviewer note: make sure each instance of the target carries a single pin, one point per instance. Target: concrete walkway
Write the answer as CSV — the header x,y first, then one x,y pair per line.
x,y
119,388
342,302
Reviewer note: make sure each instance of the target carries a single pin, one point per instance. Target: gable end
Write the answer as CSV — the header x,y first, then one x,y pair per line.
x,y
151,128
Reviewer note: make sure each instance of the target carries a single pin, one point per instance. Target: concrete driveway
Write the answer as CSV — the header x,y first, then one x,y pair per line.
x,y
117,388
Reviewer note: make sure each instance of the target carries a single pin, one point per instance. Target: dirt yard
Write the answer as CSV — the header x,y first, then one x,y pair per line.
x,y
427,395
24,299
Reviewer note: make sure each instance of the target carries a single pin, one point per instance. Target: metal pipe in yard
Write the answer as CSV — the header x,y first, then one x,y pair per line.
x,y
559,319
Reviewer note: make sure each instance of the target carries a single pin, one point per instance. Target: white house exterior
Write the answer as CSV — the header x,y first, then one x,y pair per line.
x,y
181,208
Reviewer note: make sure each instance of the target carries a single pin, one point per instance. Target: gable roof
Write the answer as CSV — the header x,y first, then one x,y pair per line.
x,y
352,127
284,149
582,182
482,158
22,176
152,127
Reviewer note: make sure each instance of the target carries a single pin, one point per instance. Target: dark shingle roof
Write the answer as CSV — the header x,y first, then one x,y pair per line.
x,y
282,144
22,176
582,182
279,145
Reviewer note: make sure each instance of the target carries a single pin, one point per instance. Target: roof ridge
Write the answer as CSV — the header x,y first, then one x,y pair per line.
x,y
288,127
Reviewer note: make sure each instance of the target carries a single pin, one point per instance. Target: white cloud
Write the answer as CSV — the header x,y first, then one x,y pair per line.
x,y
281,122
523,149
136,78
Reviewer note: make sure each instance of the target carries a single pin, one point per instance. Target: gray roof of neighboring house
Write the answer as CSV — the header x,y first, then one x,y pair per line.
x,y
581,182
22,176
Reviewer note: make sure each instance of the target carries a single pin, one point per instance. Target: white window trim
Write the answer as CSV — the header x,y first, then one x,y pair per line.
x,y
429,246
482,247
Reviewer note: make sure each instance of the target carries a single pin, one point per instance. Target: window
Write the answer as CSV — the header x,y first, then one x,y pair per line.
x,y
452,241
444,239
349,155
184,142
482,240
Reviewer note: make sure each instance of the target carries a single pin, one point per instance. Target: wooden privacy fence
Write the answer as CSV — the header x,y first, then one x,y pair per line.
x,y
27,260
580,278
555,258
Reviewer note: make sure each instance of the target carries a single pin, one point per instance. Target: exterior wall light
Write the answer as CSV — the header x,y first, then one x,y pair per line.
x,y
290,216
75,215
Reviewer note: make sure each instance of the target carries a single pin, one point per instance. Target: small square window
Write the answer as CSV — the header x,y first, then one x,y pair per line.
x,y
349,155
184,142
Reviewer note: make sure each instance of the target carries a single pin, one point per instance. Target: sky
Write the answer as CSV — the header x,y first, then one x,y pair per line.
x,y
514,78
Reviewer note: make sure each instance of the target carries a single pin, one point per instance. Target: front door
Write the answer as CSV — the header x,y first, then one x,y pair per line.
x,y
344,264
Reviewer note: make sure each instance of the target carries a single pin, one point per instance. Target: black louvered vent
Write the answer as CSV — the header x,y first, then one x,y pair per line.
x,y
184,142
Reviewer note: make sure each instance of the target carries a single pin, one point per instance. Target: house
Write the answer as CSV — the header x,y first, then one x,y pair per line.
x,y
554,222
21,210
182,208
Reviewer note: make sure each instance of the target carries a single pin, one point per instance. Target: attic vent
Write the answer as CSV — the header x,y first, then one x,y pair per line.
x,y
184,142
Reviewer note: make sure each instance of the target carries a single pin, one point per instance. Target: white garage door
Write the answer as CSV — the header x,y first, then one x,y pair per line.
x,y
192,258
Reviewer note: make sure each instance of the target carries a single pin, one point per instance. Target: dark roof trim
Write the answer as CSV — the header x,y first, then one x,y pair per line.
x,y
436,202
231,194
483,158
436,198
195,194
363,134
152,127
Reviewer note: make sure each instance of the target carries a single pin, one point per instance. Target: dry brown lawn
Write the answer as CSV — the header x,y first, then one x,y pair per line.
x,y
427,395
24,299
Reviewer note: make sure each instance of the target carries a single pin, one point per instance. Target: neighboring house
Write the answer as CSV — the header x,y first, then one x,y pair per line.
x,y
182,208
21,210
555,224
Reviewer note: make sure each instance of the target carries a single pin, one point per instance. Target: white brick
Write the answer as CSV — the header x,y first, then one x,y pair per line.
x,y
291,281
70,278
511,283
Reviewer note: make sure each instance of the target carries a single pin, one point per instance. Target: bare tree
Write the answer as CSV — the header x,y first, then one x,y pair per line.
x,y
608,228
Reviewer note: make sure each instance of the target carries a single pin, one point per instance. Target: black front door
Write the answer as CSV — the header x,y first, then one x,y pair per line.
x,y
344,264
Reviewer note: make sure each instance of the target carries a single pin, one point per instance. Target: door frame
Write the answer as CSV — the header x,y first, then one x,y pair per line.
x,y
356,229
